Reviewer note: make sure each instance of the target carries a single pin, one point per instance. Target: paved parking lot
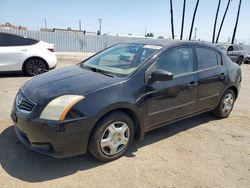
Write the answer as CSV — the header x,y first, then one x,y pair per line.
x,y
198,152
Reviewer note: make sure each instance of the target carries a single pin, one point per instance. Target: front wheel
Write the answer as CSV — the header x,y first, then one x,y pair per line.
x,y
112,137
226,104
34,67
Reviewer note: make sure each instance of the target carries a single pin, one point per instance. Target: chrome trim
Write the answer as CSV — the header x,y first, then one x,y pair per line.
x,y
27,99
208,97
171,108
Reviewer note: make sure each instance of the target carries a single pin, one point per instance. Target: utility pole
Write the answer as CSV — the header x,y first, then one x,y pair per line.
x,y
222,21
215,21
192,25
80,25
100,25
172,18
236,24
145,32
183,18
195,33
45,23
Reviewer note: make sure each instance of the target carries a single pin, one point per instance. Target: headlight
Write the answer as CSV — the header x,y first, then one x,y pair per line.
x,y
58,108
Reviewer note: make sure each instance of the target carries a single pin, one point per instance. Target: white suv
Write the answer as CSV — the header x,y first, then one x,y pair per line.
x,y
32,57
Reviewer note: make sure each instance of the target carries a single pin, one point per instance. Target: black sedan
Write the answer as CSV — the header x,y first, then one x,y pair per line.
x,y
103,103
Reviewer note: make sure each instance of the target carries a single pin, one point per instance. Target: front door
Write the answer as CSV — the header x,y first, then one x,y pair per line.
x,y
169,100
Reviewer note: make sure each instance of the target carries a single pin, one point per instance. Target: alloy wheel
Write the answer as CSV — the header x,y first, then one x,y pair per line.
x,y
35,67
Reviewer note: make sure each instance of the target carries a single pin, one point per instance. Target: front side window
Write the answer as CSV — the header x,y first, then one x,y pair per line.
x,y
207,58
178,61
13,40
121,59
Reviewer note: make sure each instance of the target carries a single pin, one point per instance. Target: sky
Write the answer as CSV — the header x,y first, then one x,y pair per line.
x,y
130,16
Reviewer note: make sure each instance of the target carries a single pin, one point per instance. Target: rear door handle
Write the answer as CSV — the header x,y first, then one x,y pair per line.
x,y
24,50
192,85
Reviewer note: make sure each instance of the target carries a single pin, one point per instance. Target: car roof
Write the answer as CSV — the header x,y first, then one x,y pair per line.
x,y
169,42
14,34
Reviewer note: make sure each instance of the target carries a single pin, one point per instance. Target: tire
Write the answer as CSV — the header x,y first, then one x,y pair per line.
x,y
35,66
246,62
112,137
240,60
226,104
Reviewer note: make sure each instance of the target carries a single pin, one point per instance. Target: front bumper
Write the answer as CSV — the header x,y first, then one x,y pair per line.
x,y
54,138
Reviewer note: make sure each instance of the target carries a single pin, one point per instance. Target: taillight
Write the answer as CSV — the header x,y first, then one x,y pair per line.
x,y
51,49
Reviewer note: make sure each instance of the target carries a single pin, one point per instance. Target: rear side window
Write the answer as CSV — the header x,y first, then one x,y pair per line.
x,y
208,58
241,48
13,40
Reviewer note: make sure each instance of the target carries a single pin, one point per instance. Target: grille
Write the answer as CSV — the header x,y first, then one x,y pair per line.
x,y
24,104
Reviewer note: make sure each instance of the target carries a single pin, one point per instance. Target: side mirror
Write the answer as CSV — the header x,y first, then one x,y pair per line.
x,y
160,75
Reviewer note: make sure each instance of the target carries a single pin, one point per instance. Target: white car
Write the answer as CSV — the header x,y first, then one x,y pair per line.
x,y
32,57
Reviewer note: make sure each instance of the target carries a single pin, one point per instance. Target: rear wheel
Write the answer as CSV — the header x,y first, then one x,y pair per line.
x,y
226,104
246,62
112,137
35,66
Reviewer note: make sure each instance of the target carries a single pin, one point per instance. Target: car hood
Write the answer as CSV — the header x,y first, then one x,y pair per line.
x,y
72,80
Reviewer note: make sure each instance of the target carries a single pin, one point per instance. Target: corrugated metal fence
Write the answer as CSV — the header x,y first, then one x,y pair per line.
x,y
76,42
73,42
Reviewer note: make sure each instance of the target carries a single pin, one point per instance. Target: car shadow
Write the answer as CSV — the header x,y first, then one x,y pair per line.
x,y
12,74
19,162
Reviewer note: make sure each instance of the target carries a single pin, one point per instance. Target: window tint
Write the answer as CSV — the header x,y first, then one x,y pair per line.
x,y
12,40
179,61
207,58
219,58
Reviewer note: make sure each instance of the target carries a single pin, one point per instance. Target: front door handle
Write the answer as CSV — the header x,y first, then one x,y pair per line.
x,y
192,85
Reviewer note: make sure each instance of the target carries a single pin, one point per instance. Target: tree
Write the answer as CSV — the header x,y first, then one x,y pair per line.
x,y
149,35
194,14
236,23
98,32
172,18
225,13
215,21
183,18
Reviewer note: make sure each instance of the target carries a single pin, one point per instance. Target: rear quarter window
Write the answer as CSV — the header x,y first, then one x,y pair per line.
x,y
208,58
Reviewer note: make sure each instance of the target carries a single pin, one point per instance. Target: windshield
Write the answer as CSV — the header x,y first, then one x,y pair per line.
x,y
121,59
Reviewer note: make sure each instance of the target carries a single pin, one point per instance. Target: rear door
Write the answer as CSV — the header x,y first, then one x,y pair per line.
x,y
212,77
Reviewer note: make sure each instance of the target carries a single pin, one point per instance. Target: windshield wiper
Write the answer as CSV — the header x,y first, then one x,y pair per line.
x,y
98,71
87,67
106,74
